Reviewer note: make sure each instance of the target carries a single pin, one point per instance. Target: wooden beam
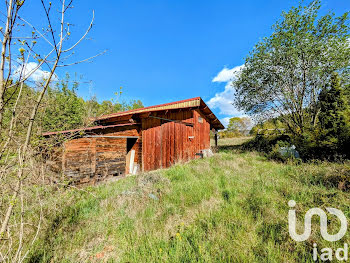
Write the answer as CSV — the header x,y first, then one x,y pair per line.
x,y
164,119
106,136
216,138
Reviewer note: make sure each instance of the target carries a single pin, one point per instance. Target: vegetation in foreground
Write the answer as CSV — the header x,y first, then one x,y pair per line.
x,y
228,208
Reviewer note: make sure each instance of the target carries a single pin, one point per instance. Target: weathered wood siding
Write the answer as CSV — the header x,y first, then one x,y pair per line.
x,y
90,159
165,143
160,144
159,135
78,158
110,157
134,131
201,131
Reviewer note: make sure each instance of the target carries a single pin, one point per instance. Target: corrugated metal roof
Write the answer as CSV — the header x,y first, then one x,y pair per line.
x,y
188,103
194,102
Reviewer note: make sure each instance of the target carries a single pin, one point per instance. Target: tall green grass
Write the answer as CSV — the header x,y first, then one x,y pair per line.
x,y
228,208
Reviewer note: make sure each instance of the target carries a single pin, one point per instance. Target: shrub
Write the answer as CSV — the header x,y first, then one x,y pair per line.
x,y
266,144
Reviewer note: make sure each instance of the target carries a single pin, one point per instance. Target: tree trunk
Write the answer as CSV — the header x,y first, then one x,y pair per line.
x,y
3,58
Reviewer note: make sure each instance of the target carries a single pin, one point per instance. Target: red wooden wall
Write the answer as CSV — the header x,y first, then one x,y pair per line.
x,y
160,144
165,143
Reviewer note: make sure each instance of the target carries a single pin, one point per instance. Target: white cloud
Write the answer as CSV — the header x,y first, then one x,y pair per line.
x,y
226,74
37,75
224,100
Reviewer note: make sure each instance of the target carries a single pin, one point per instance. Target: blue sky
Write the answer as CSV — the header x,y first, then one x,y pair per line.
x,y
161,51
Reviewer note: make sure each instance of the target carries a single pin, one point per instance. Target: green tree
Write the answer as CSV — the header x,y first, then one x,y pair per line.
x,y
286,71
95,109
239,126
270,127
63,108
334,129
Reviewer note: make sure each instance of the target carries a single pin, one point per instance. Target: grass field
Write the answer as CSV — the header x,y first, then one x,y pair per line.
x,y
228,208
228,142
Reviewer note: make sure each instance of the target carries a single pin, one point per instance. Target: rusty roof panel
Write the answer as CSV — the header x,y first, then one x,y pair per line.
x,y
182,104
189,103
194,102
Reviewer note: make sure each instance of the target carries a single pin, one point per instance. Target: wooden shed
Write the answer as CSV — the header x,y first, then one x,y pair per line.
x,y
138,140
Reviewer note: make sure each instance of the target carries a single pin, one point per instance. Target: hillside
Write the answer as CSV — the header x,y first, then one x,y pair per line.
x,y
228,208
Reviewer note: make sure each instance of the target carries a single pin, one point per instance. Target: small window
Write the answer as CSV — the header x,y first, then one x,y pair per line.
x,y
200,119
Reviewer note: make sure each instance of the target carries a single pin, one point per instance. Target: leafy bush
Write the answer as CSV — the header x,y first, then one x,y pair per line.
x,y
278,147
266,144
229,134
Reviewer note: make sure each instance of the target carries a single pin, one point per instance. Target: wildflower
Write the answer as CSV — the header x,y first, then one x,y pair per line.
x,y
160,250
178,236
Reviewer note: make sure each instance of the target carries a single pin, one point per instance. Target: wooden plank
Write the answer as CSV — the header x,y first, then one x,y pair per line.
x,y
161,145
93,157
152,145
172,143
111,136
140,151
131,161
164,145
177,142
146,145
154,150
190,142
197,134
208,135
158,160
186,140
149,145
171,120
181,136
142,143
168,144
